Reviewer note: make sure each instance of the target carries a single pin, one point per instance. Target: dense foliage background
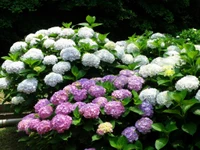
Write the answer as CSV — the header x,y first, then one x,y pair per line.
x,y
124,17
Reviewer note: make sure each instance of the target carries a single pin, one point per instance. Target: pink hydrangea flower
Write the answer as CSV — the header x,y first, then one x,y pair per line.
x,y
114,108
44,126
41,103
45,111
59,97
90,110
64,108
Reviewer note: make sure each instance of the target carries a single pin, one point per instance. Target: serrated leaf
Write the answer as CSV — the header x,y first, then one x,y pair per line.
x,y
189,128
160,143
158,127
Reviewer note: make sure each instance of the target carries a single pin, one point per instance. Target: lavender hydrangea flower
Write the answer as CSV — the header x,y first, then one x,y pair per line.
x,y
28,86
41,103
147,109
33,124
77,104
44,126
149,95
90,149
109,78
143,125
79,95
101,101
87,84
61,122
121,94
45,111
130,133
69,88
97,91
127,73
135,83
59,97
64,108
90,110
114,108
120,82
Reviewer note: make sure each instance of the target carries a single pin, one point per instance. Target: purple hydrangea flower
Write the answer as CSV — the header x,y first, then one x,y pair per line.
x,y
23,125
101,101
127,73
44,126
121,94
97,91
69,88
64,108
83,80
120,82
147,109
59,97
135,83
29,116
61,122
33,124
109,78
45,111
96,79
90,110
87,84
79,95
41,103
114,108
130,133
143,125
78,104
89,149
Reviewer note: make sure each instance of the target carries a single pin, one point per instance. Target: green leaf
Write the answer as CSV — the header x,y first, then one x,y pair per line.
x,y
67,25
68,78
159,127
135,109
102,37
23,139
74,71
192,54
121,142
6,58
177,96
172,111
88,126
76,121
198,61
160,143
126,101
187,104
30,75
90,19
66,136
76,113
136,98
171,126
96,25
113,142
189,128
162,82
197,144
189,47
96,137
122,66
80,74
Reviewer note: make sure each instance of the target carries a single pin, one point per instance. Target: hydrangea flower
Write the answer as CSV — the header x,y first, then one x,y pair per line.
x,y
163,99
147,109
143,125
110,45
141,60
41,103
18,46
64,108
150,70
63,43
127,59
23,125
29,37
69,88
104,128
120,82
33,124
6,63
121,43
4,83
157,36
33,53
89,149
77,104
132,48
197,96
14,67
89,41
28,86
135,83
70,54
44,126
59,97
90,110
79,94
85,32
61,122
67,32
105,56
17,100
45,111
52,79
121,94
149,95
131,134
96,91
126,73
54,30
101,101
151,44
61,67
173,48
42,32
188,83
50,60
109,78
87,84
114,108
90,60
120,51
48,43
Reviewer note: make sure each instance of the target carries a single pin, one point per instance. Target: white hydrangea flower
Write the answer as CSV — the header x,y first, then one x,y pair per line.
x,y
61,67
120,51
173,48
29,37
15,67
70,54
127,59
28,86
197,96
150,44
33,53
42,32
105,56
90,60
141,59
17,46
64,43
52,79
50,60
172,53
4,83
67,32
110,45
34,41
163,99
88,41
17,100
197,47
149,95
121,43
48,43
85,32
188,83
162,44
150,70
54,30
6,63
157,35
131,48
